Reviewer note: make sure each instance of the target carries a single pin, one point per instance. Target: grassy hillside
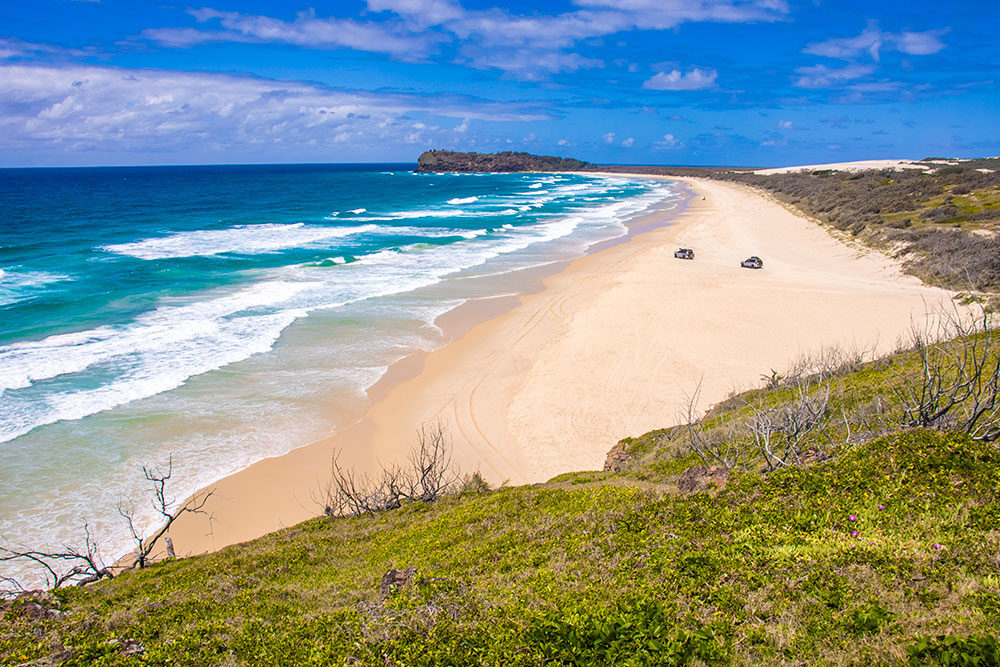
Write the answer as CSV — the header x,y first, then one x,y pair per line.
x,y
876,546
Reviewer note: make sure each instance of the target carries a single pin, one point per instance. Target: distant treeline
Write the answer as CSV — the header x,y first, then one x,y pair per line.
x,y
444,161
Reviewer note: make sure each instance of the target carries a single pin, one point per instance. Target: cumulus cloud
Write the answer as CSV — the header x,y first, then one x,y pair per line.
x,y
821,76
873,41
695,79
785,124
629,143
920,43
91,108
609,138
669,141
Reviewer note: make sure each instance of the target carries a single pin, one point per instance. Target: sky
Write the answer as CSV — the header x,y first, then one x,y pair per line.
x,y
680,82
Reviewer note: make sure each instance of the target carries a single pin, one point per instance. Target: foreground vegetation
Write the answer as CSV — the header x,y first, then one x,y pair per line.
x,y
868,543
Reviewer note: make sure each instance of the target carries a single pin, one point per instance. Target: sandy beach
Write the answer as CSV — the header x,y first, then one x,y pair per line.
x,y
612,346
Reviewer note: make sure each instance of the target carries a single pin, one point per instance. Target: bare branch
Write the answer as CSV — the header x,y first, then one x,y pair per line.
x,y
83,565
958,383
428,475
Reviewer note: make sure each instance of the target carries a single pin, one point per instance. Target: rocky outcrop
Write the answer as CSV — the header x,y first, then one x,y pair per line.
x,y
443,161
618,458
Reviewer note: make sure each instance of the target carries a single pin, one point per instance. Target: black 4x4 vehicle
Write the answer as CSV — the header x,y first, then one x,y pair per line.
x,y
684,253
753,262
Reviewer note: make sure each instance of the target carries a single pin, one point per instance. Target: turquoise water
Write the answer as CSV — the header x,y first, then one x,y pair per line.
x,y
225,314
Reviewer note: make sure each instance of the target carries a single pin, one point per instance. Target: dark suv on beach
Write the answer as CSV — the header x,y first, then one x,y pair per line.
x,y
753,262
684,253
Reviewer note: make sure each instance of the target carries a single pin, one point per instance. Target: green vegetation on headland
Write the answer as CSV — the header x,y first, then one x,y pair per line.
x,y
450,161
827,530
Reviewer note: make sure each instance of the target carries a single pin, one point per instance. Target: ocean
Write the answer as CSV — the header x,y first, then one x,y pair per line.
x,y
219,315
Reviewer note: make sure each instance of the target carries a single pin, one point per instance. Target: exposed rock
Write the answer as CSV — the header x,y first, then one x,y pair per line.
x,y
618,458
393,579
702,478
442,161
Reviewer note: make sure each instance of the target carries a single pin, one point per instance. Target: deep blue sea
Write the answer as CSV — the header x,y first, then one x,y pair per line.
x,y
229,313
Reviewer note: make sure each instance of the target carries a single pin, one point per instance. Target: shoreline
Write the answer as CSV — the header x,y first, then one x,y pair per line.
x,y
454,324
508,384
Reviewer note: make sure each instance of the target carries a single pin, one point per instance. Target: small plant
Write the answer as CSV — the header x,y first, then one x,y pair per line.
x,y
474,484
972,651
772,381
869,618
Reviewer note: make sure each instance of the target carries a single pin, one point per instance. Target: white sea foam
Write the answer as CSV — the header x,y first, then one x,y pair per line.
x,y
431,213
358,211
243,239
463,200
45,381
17,284
535,186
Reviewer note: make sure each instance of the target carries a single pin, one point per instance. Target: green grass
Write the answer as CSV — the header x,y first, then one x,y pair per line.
x,y
767,570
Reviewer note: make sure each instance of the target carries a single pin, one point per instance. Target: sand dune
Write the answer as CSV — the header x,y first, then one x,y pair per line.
x,y
611,347
859,165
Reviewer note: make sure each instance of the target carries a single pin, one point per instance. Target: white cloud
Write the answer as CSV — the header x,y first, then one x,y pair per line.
x,y
463,127
13,48
920,43
821,76
529,65
422,12
563,142
695,79
785,124
663,14
629,143
91,108
490,38
306,30
873,41
609,138
669,141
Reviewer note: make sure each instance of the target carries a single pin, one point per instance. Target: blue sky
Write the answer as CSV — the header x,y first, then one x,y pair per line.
x,y
703,82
